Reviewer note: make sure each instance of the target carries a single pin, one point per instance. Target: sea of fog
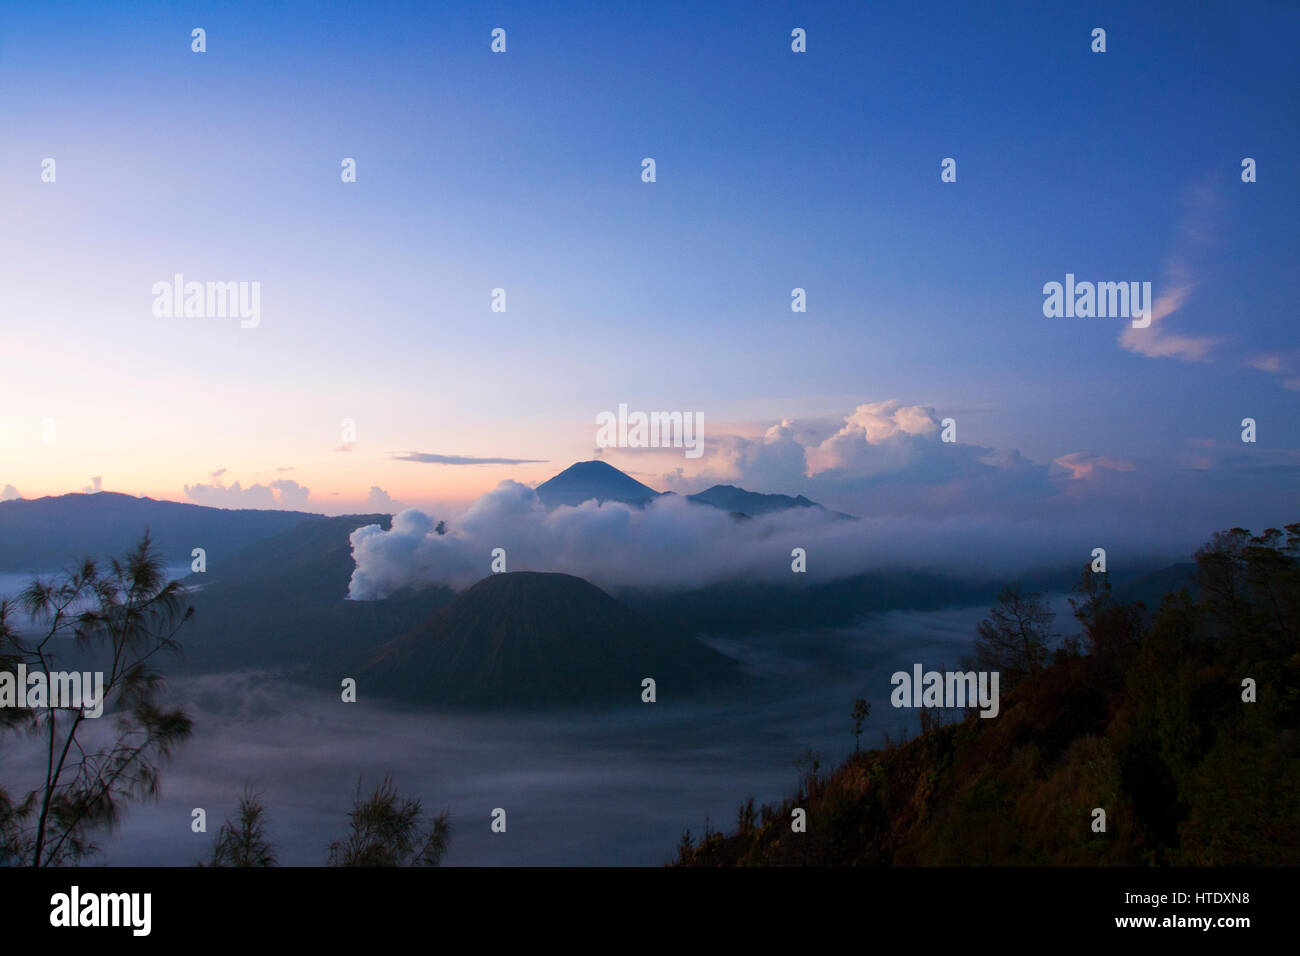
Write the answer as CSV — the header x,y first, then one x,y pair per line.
x,y
617,788
11,585
613,789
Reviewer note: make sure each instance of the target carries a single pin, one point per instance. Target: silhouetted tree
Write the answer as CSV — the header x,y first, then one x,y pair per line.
x,y
243,842
1111,629
861,709
1248,585
122,618
809,763
1014,638
685,847
746,817
385,829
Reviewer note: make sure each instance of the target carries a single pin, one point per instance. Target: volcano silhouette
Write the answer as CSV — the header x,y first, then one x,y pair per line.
x,y
586,480
531,639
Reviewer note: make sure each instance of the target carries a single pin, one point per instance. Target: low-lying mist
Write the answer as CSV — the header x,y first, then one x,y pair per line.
x,y
616,788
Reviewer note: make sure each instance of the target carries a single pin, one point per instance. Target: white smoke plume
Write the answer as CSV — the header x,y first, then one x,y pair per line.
x,y
675,544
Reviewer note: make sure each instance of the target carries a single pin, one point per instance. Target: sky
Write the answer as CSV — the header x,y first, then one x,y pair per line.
x,y
775,170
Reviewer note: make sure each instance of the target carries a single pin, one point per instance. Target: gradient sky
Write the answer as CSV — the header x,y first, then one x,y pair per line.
x,y
522,171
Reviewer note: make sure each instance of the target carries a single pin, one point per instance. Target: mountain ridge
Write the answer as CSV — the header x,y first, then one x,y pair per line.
x,y
40,534
600,481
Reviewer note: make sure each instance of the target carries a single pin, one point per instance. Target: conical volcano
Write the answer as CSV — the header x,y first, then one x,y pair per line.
x,y
588,480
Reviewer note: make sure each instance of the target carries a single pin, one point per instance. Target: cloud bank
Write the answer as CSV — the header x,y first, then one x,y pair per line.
x,y
380,501
921,503
282,493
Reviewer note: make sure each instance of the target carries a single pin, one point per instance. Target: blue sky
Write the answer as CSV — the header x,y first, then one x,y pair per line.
x,y
522,171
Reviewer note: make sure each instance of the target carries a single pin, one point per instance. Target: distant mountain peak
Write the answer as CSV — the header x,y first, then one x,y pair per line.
x,y
587,480
592,466
751,503
601,481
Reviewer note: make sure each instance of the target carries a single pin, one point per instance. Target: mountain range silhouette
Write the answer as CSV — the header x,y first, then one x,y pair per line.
x,y
601,481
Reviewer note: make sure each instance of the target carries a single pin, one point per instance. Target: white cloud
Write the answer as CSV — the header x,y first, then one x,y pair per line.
x,y
674,544
1195,235
279,494
923,503
380,501
883,457
877,437
775,459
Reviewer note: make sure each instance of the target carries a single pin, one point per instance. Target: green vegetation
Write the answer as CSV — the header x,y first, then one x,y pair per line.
x,y
861,711
243,842
1150,717
385,829
117,620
